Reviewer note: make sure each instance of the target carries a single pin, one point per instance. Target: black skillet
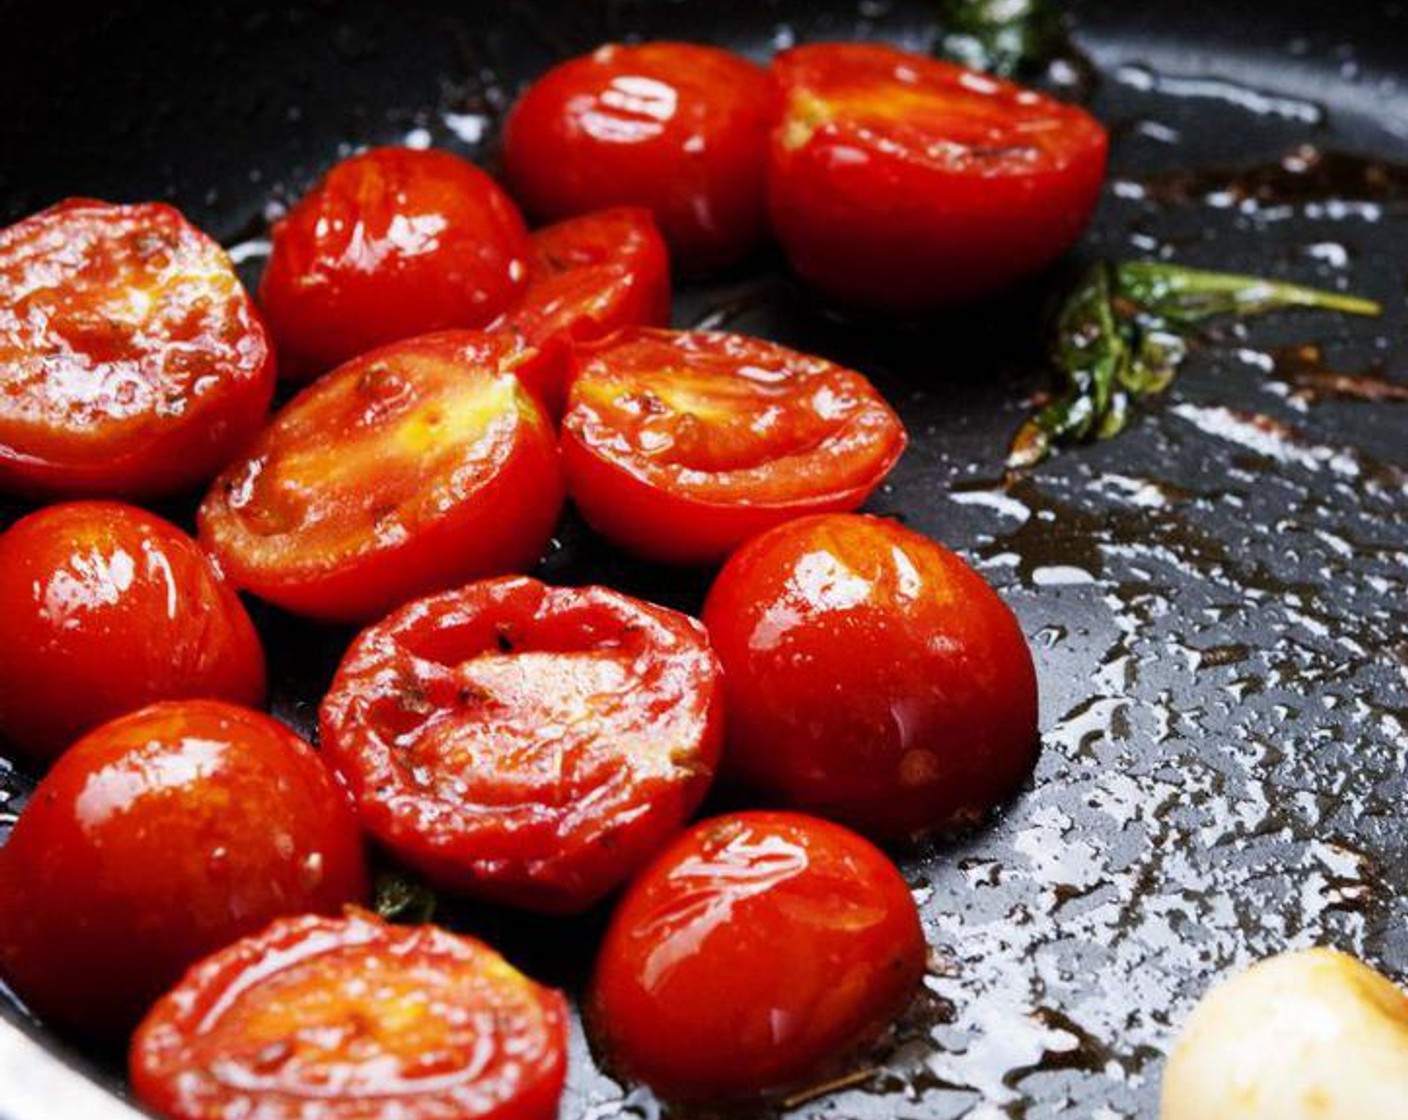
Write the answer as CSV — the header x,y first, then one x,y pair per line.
x,y
1216,598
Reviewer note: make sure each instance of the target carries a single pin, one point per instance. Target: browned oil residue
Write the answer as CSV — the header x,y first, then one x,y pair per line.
x,y
1304,368
1304,174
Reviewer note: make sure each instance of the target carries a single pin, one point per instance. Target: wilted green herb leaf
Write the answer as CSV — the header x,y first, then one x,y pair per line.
x,y
1003,37
1120,336
401,899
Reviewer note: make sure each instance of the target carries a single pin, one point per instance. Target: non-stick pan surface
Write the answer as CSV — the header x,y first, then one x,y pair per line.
x,y
1216,599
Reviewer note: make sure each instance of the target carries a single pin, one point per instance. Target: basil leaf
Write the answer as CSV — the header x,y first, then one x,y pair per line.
x,y
1121,336
1002,37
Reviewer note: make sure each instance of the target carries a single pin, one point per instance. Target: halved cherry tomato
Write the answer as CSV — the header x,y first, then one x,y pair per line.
x,y
872,677
527,744
756,955
406,471
680,445
156,839
901,183
132,362
678,128
108,608
588,277
392,243
353,1019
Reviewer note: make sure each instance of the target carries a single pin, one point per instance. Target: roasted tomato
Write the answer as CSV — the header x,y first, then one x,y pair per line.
x,y
408,470
756,954
872,677
588,277
353,1019
156,839
678,128
527,744
900,183
133,364
107,609
680,445
392,243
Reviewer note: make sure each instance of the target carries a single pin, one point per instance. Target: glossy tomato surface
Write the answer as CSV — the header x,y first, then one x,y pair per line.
x,y
108,608
678,128
353,1019
392,243
527,744
680,445
132,361
158,838
757,954
588,277
872,677
902,184
408,470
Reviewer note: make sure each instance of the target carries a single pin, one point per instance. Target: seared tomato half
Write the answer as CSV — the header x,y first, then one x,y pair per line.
x,y
678,128
527,744
680,445
106,609
392,243
900,183
353,1019
756,955
133,364
408,470
156,839
872,677
588,277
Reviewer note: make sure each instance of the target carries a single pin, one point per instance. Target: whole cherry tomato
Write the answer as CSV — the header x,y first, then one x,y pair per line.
x,y
133,363
756,954
872,676
588,277
678,128
392,243
156,839
902,184
680,445
527,744
408,470
108,608
353,1019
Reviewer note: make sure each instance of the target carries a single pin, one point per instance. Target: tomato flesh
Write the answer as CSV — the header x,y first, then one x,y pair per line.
x,y
523,743
158,838
589,277
754,956
353,1019
108,608
678,128
680,445
392,243
133,364
902,184
872,677
408,470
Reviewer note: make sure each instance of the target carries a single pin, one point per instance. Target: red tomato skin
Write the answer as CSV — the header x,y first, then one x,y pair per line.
x,y
756,954
99,402
502,523
392,243
158,838
513,1039
678,128
587,278
873,677
107,609
511,835
665,525
879,226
